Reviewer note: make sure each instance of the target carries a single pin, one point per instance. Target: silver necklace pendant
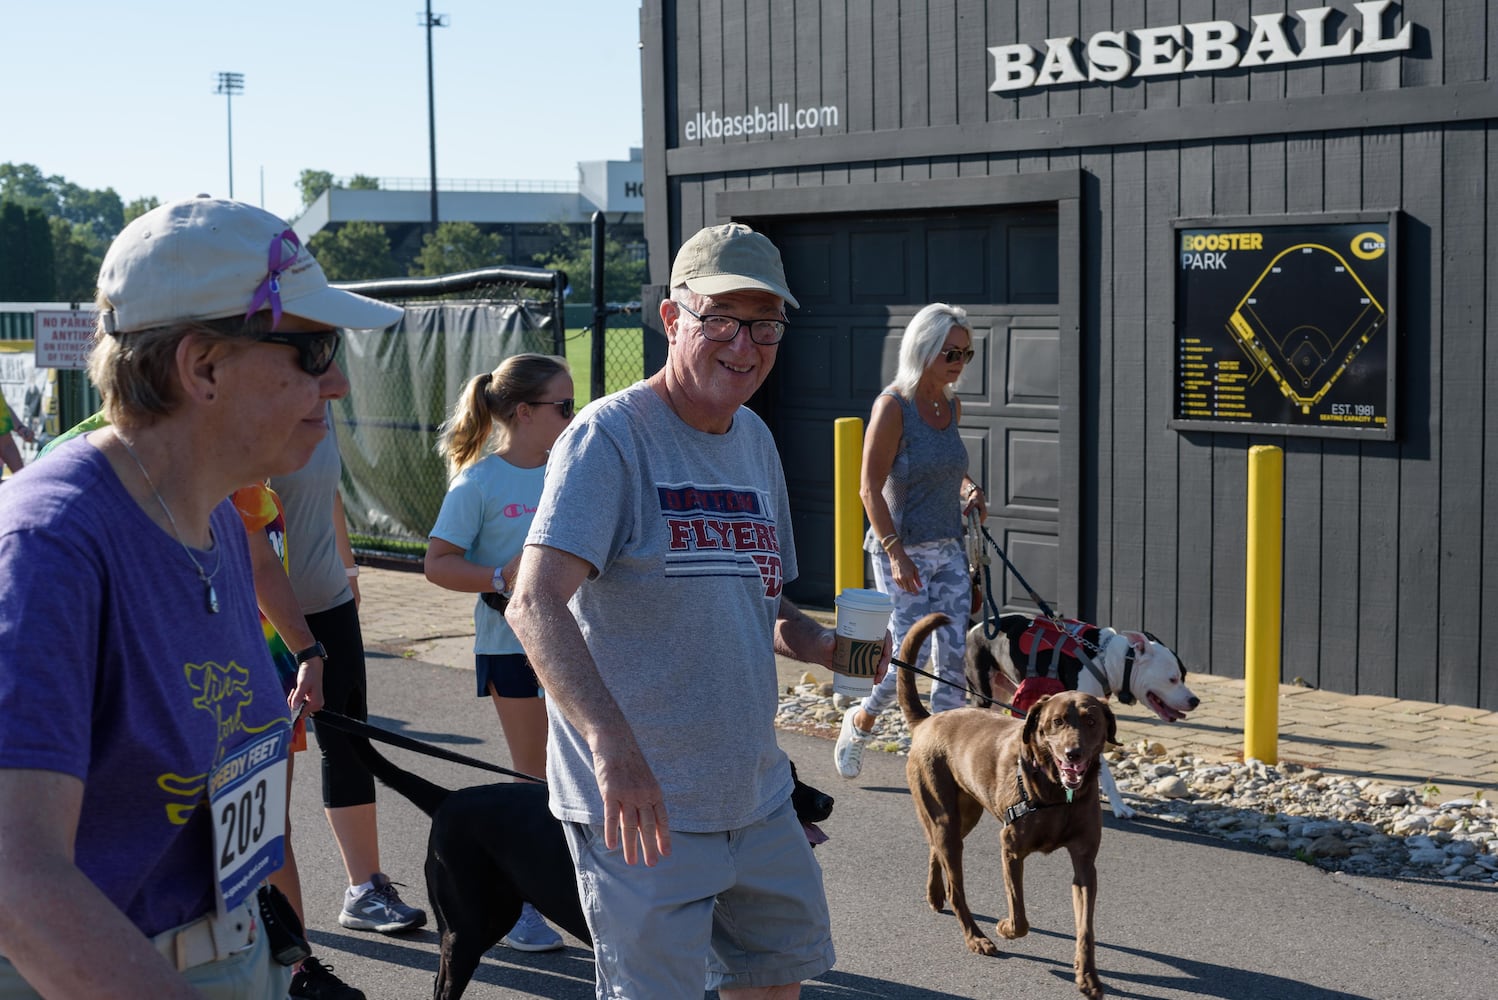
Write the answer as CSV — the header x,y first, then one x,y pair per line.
x,y
212,598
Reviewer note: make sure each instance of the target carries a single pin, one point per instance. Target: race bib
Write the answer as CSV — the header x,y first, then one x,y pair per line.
x,y
247,793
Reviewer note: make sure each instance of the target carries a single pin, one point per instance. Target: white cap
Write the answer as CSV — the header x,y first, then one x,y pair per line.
x,y
207,258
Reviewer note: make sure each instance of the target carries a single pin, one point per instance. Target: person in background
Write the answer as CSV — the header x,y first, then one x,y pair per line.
x,y
126,574
476,543
916,491
325,580
651,602
10,455
300,666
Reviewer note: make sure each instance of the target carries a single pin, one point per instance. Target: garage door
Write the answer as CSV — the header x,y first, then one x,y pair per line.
x,y
860,280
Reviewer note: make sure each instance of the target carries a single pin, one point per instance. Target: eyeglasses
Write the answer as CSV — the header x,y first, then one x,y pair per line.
x,y
956,354
724,328
315,351
567,406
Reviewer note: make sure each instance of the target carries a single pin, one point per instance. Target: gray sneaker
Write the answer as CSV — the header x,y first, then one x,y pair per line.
x,y
380,909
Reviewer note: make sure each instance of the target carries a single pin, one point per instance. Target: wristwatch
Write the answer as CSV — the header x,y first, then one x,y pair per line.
x,y
316,649
499,583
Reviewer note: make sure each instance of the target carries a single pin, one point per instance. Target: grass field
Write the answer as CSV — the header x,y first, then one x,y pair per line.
x,y
623,356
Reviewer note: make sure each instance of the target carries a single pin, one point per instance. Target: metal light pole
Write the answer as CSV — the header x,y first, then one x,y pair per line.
x,y
430,21
230,84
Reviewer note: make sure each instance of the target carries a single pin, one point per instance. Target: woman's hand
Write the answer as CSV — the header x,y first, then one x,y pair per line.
x,y
974,499
903,569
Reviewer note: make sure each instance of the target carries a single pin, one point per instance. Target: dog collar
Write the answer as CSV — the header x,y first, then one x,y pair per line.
x,y
1126,687
1024,806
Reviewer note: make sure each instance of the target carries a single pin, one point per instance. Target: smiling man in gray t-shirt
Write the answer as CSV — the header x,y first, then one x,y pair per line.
x,y
650,601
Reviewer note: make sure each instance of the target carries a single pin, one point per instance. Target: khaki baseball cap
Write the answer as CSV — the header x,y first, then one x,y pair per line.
x,y
730,258
208,258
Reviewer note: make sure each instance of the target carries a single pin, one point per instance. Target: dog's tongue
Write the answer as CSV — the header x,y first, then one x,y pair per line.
x,y
814,834
1072,775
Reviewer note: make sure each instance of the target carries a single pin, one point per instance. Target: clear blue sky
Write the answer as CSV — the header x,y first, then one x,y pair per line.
x,y
120,93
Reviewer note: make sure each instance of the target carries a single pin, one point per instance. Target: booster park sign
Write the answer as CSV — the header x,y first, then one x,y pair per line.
x,y
1286,325
1202,47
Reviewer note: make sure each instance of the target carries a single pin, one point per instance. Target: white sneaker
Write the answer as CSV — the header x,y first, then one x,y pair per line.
x,y
848,754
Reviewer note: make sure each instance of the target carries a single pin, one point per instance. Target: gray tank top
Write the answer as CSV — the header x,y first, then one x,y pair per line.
x,y
925,480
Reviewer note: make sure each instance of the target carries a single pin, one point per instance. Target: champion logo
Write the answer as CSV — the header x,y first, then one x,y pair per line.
x,y
518,510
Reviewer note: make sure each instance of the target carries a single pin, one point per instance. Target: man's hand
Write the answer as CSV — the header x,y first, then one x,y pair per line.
x,y
634,810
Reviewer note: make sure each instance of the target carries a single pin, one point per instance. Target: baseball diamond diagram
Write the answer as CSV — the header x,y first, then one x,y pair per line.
x,y
1285,326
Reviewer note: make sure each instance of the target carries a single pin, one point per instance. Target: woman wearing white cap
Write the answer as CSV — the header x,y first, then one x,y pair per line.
x,y
142,752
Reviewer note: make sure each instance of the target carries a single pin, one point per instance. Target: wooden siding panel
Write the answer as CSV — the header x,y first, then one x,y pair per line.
x,y
1161,445
1063,22
1420,444
1196,88
1379,607
942,41
887,84
1097,351
972,75
1462,392
860,35
917,51
1487,511
1464,40
1430,15
1131,228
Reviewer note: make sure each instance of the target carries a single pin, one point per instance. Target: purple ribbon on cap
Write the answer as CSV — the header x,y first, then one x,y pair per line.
x,y
269,289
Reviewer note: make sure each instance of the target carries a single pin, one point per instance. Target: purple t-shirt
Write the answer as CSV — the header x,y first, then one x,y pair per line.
x,y
113,670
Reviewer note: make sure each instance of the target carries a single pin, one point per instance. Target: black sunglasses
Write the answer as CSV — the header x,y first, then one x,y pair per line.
x,y
315,351
568,409
955,354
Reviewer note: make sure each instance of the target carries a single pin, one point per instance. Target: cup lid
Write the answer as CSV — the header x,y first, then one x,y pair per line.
x,y
856,599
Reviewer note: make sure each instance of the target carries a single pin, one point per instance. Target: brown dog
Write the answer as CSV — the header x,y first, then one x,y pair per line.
x,y
1039,778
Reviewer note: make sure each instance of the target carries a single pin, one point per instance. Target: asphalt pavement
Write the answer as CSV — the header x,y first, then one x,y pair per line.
x,y
1179,915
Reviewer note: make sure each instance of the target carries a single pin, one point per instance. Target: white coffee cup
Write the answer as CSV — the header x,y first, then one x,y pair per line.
x,y
862,619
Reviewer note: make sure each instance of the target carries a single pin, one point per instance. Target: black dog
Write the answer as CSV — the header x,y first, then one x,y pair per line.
x,y
494,847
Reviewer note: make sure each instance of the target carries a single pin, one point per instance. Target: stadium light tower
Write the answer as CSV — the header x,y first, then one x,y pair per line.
x,y
430,21
230,84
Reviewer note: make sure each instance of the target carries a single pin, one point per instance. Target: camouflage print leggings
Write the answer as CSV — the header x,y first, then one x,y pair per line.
x,y
943,568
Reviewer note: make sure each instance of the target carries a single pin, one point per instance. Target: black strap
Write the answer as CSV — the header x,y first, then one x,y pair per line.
x,y
354,727
895,661
1024,806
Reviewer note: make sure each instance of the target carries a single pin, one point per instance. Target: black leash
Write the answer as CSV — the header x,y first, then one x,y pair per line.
x,y
354,727
1040,602
895,661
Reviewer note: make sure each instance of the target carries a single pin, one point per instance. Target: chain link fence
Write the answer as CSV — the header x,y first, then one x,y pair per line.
x,y
405,379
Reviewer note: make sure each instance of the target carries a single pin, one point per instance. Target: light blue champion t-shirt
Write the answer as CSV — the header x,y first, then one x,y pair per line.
x,y
486,513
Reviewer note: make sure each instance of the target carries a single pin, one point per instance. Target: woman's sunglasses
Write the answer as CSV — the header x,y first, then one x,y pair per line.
x,y
314,351
566,404
956,354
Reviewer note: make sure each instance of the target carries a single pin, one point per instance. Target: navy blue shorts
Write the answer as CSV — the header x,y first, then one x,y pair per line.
x,y
510,673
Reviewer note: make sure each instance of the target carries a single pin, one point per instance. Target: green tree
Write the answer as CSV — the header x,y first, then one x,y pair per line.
x,y
354,252
361,182
26,185
75,263
26,269
312,184
139,207
457,246
624,269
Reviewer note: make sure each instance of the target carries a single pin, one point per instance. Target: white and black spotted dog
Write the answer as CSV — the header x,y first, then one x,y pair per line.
x,y
1030,657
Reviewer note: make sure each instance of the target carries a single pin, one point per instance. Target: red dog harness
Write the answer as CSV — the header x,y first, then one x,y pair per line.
x,y
1054,653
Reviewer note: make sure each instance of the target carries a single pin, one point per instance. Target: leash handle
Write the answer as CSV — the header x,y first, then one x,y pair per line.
x,y
333,720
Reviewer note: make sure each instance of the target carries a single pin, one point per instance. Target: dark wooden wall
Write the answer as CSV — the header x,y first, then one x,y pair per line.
x,y
1391,549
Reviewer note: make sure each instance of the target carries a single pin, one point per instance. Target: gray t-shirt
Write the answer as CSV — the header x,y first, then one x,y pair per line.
x,y
316,568
690,537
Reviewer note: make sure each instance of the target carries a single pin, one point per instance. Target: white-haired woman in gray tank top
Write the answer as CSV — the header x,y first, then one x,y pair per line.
x,y
916,491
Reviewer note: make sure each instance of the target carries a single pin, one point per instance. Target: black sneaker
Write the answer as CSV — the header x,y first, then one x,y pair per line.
x,y
315,981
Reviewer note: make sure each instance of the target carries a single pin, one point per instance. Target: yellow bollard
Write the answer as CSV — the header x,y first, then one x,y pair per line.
x,y
1262,618
847,509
